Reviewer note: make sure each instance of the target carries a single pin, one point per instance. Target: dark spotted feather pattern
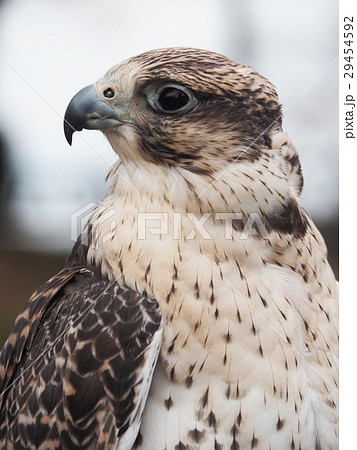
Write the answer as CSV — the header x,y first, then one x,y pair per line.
x,y
82,342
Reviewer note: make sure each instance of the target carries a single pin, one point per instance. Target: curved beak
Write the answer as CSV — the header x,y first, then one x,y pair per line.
x,y
87,110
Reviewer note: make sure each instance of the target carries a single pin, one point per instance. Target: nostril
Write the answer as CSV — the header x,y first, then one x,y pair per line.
x,y
108,93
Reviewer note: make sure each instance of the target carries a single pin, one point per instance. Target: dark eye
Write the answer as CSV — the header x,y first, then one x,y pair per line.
x,y
172,99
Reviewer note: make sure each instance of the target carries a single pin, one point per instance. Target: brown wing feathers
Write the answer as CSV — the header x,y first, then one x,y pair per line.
x,y
81,357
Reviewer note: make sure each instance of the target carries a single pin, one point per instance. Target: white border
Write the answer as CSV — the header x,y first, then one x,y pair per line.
x,y
348,249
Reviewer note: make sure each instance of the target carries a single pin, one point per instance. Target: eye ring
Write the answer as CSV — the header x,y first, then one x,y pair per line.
x,y
171,98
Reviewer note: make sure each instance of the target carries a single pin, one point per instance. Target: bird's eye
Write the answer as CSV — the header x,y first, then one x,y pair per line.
x,y
171,99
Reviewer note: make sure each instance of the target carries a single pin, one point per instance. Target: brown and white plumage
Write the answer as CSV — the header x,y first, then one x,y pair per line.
x,y
76,356
249,340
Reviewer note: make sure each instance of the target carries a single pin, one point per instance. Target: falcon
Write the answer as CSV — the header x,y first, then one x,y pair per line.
x,y
197,309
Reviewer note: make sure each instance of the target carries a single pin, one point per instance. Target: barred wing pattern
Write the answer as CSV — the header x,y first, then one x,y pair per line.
x,y
77,366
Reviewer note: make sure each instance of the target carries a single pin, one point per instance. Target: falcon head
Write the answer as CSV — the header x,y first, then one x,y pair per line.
x,y
180,107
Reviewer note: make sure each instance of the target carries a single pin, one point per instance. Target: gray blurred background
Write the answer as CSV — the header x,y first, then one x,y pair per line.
x,y
50,50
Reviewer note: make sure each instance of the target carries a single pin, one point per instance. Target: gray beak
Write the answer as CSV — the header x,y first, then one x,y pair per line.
x,y
86,110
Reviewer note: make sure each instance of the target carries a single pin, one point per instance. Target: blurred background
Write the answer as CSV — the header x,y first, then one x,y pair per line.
x,y
50,50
